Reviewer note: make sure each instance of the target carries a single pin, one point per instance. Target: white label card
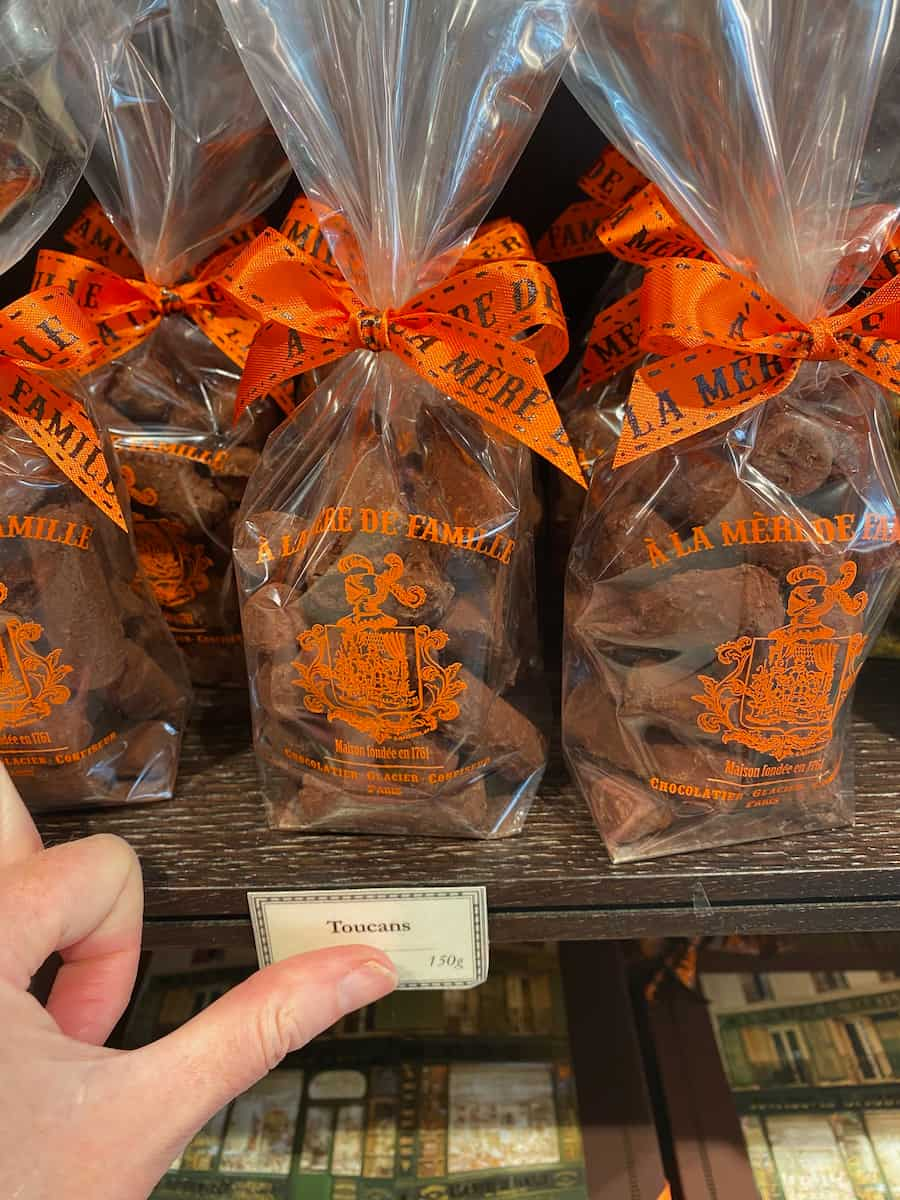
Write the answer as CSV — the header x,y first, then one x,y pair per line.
x,y
437,937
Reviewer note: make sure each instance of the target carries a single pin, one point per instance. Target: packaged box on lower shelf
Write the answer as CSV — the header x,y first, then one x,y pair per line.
x,y
784,1083
428,1096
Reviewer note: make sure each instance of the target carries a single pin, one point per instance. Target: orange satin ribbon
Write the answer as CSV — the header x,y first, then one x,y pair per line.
x,y
888,265
728,345
609,183
644,230
126,311
484,335
46,332
92,235
106,281
628,217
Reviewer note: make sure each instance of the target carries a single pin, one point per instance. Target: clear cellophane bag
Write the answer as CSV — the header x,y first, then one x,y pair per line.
x,y
592,412
723,592
394,661
93,699
185,158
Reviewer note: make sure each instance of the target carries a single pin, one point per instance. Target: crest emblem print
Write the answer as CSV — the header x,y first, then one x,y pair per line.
x,y
784,691
30,682
371,672
174,567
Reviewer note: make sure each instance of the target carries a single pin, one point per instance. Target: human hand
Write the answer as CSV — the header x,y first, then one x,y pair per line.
x,y
77,1119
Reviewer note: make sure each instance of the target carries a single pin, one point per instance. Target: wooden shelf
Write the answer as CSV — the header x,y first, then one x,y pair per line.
x,y
202,851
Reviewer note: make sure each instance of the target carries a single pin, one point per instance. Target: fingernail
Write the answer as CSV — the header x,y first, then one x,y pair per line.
x,y
366,984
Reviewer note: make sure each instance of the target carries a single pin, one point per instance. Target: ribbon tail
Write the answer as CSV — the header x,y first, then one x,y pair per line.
x,y
876,358
529,315
498,382
233,332
279,353
614,341
120,314
691,392
612,179
118,338
58,424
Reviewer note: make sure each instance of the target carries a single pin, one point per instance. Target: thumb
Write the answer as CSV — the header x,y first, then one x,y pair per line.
x,y
175,1085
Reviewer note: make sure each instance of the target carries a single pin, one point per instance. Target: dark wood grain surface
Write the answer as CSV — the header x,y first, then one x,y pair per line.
x,y
202,851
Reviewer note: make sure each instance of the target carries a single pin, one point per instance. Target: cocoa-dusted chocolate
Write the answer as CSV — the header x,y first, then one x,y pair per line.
x,y
623,550
78,603
689,608
590,716
626,811
143,688
181,491
671,759
636,726
507,735
273,618
454,489
325,600
141,391
479,638
316,804
663,692
792,450
699,486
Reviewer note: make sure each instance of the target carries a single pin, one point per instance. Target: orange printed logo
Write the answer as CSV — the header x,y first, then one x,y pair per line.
x,y
785,690
174,567
30,683
378,676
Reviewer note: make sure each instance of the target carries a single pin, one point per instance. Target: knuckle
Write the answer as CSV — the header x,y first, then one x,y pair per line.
x,y
277,1032
115,850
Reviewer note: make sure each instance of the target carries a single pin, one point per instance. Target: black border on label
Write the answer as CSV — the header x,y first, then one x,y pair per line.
x,y
476,894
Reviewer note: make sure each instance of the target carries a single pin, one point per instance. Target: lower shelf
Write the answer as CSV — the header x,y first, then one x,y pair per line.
x,y
203,850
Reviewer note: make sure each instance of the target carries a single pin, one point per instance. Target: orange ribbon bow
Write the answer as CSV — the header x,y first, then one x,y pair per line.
x,y
106,281
126,310
729,345
643,231
45,332
483,336
628,217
